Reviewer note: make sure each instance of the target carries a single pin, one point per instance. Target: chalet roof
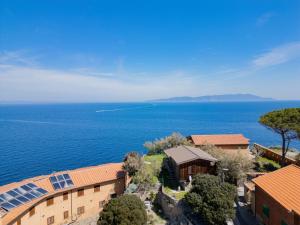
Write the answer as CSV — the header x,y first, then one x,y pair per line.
x,y
283,186
183,154
220,139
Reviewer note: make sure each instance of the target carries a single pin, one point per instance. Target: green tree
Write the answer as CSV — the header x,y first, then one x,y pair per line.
x,y
132,163
159,145
238,164
124,210
286,123
145,177
212,199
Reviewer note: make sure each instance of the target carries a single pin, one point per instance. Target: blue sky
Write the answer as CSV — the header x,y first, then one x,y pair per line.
x,y
89,51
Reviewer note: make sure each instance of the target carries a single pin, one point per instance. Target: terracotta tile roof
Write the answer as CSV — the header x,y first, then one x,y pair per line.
x,y
80,177
220,139
183,154
283,185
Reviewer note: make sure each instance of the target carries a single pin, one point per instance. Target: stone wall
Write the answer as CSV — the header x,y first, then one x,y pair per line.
x,y
172,209
273,155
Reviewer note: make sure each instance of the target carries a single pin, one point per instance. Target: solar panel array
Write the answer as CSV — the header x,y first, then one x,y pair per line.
x,y
20,195
61,181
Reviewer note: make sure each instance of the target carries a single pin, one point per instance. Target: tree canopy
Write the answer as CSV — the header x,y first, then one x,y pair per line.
x,y
286,123
212,199
159,145
238,164
124,210
132,163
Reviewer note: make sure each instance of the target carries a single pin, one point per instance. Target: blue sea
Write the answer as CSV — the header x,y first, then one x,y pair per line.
x,y
41,139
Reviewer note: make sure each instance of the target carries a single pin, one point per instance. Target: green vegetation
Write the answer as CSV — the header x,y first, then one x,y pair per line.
x,y
156,219
158,158
159,145
132,163
156,216
212,199
149,172
237,164
124,210
266,160
266,165
178,195
286,123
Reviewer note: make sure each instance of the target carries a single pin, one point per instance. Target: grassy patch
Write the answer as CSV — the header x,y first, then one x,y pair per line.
x,y
266,160
153,165
158,158
265,165
178,195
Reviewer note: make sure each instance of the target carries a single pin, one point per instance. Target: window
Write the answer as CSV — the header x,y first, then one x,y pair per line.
x,y
50,220
80,192
113,195
266,211
96,188
66,214
50,201
32,211
65,196
101,204
80,210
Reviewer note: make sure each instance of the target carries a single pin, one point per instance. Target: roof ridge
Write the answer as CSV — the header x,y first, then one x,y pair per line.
x,y
187,147
200,150
84,168
46,176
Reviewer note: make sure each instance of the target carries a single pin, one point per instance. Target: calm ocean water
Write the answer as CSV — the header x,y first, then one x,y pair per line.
x,y
40,139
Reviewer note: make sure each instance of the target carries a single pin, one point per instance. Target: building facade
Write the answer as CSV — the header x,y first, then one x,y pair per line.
x,y
185,170
277,197
91,188
187,161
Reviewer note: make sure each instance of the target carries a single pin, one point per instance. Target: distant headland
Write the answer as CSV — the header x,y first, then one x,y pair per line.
x,y
217,98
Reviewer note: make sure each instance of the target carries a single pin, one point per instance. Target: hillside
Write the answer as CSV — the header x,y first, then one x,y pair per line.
x,y
217,98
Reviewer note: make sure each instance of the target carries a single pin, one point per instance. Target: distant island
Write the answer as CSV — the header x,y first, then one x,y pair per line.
x,y
217,98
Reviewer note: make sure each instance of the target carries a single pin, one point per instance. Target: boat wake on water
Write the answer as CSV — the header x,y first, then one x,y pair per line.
x,y
29,121
124,109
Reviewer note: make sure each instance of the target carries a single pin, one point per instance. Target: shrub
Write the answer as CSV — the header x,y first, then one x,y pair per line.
x,y
124,210
158,146
145,177
270,167
263,164
131,188
212,199
132,163
237,164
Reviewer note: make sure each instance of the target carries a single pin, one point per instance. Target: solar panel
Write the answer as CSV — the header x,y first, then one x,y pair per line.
x,y
61,181
20,195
